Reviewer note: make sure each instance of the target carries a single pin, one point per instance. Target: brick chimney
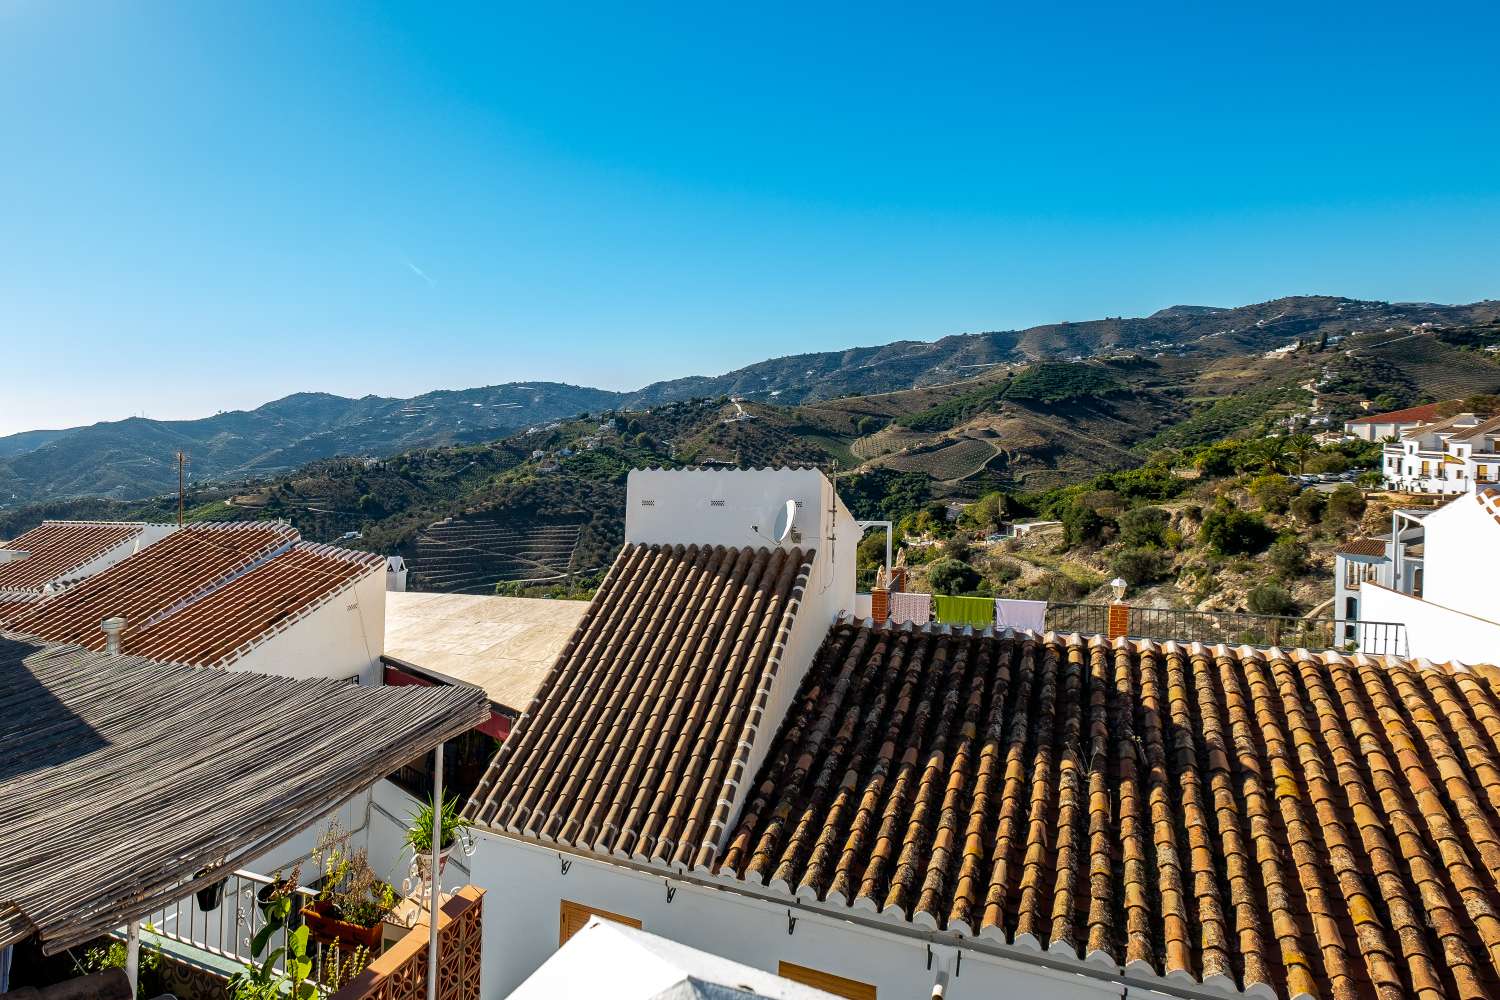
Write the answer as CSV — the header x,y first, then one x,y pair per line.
x,y
880,604
1118,623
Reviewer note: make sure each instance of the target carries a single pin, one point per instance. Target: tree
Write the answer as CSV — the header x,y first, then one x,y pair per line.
x,y
1140,566
985,514
1234,532
1273,492
1288,556
1273,453
1345,504
1301,446
1271,599
1083,525
949,576
1144,527
1308,506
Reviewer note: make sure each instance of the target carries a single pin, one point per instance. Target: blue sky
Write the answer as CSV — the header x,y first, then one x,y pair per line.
x,y
204,206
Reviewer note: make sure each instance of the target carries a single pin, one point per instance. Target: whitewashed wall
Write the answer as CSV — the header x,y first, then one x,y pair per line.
x,y
1433,631
341,639
525,886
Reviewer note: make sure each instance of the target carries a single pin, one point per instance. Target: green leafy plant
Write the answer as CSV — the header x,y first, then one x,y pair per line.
x,y
454,827
260,980
112,956
352,890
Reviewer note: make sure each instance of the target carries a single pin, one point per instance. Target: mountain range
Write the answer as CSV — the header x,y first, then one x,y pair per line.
x,y
134,458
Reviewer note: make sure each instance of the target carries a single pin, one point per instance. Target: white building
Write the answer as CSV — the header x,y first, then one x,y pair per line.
x,y
1439,581
1450,456
1393,561
721,756
235,595
1379,426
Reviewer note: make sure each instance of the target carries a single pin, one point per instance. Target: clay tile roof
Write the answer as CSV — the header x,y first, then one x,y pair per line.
x,y
160,578
1424,413
56,548
640,732
1363,547
253,606
1310,825
1486,426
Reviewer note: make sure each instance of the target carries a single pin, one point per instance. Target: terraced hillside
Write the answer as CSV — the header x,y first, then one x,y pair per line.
x,y
469,555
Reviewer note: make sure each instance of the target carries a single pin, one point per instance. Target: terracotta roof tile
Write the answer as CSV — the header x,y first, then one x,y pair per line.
x,y
1313,824
638,734
57,548
1363,547
244,612
154,582
1425,412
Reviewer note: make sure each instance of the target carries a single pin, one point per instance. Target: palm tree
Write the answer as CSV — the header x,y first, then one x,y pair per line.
x,y
1273,453
1302,445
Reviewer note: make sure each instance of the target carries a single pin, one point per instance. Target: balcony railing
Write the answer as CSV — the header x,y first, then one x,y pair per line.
x,y
1236,627
226,929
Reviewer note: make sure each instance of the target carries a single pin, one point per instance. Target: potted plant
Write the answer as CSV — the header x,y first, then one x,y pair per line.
x,y
210,896
454,831
352,900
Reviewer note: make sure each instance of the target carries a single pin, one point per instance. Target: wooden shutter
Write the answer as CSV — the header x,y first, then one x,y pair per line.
x,y
572,916
851,989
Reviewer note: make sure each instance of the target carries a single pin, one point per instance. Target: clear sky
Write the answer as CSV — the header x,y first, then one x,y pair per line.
x,y
204,206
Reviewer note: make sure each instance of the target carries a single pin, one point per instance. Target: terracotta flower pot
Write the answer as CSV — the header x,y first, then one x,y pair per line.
x,y
329,929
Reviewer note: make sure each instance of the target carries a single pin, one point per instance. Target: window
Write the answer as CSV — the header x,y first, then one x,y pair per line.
x,y
1482,473
1426,468
852,989
572,916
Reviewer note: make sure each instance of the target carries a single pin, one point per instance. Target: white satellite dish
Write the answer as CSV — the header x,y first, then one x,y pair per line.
x,y
784,521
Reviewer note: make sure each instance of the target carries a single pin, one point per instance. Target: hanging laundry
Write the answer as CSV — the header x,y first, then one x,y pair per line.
x,y
914,608
1017,614
976,611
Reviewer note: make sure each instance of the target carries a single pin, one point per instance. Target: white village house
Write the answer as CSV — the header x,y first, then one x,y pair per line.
x,y
1450,456
722,756
1434,574
1379,426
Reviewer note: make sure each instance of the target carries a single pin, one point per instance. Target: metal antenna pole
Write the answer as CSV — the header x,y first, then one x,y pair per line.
x,y
181,485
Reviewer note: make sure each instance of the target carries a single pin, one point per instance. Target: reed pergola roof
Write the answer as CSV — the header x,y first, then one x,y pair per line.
x,y
127,784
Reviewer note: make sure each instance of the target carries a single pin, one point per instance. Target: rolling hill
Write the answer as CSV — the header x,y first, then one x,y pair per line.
x,y
1201,347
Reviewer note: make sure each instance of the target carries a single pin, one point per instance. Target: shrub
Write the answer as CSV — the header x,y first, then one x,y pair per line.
x,y
1083,525
986,514
1308,506
1234,532
1289,556
949,576
1346,503
1274,493
1144,527
1271,599
1140,566
1006,571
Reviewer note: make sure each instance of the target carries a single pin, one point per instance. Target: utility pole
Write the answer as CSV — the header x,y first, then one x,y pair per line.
x,y
181,485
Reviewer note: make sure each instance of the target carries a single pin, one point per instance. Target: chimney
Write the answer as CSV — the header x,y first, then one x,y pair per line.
x,y
112,627
1119,612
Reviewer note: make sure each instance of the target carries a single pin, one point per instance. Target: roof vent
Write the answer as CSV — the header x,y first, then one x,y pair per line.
x,y
112,628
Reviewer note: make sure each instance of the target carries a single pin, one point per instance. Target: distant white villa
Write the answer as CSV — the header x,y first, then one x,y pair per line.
x,y
1450,456
1378,426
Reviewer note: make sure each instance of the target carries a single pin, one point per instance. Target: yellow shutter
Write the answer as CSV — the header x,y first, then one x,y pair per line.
x,y
851,989
572,916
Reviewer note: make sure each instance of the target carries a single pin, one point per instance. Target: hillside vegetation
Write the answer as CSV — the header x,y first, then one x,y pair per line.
x,y
133,458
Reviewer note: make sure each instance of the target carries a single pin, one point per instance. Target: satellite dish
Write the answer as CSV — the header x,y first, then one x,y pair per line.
x,y
784,520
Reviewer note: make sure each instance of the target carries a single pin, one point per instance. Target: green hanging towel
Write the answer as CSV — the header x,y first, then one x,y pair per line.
x,y
976,611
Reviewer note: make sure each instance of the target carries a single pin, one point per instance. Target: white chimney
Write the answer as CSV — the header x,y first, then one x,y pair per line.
x,y
112,628
11,555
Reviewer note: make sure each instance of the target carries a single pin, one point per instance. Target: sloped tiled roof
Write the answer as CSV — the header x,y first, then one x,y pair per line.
x,y
156,580
1424,413
1489,425
55,548
243,612
641,729
1363,547
1315,825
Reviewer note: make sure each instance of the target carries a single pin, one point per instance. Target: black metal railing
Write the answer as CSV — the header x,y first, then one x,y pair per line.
x,y
1236,628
